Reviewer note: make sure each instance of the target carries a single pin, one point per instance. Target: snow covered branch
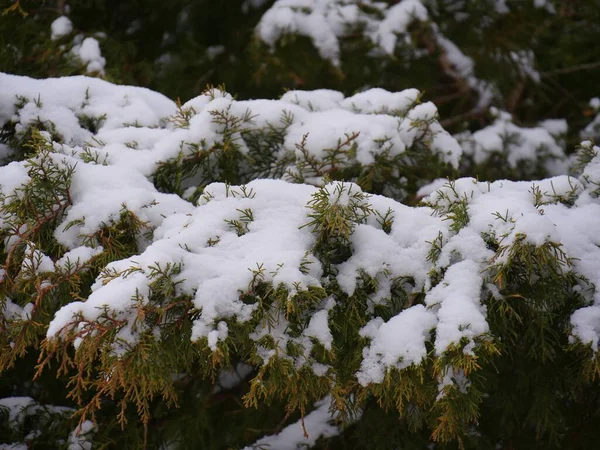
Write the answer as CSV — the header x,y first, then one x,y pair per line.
x,y
257,231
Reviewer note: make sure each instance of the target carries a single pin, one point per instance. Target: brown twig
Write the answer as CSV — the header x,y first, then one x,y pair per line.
x,y
472,114
567,70
514,96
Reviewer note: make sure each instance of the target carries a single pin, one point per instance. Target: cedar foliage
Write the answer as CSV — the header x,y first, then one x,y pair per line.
x,y
530,384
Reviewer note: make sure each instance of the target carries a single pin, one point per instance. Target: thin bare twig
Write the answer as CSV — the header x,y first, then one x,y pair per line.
x,y
566,70
472,114
512,101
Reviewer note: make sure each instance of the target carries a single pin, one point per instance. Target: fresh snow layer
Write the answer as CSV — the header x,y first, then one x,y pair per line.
x,y
78,257
517,143
396,22
61,27
237,236
456,301
64,101
99,192
274,244
89,53
317,424
217,263
398,343
131,133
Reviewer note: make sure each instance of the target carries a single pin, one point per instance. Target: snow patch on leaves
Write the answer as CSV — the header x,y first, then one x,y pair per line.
x,y
398,343
518,144
303,433
325,22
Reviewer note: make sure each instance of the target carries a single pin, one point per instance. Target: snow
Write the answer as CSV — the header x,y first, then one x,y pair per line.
x,y
318,328
62,26
63,100
464,68
518,144
219,334
586,326
396,22
78,439
14,176
514,201
380,101
546,4
229,378
20,409
402,253
273,246
313,19
399,343
581,238
218,262
326,21
90,54
237,237
36,262
385,123
501,7
100,193
372,101
386,27
590,177
457,305
12,311
77,257
318,424
16,407
556,127
317,100
273,243
27,310
430,188
507,211
325,130
213,51
453,377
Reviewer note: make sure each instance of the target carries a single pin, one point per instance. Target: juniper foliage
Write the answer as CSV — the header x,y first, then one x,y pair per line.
x,y
414,295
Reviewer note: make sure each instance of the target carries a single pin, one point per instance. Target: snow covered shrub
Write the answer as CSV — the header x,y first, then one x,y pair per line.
x,y
22,419
344,267
174,264
387,142
505,150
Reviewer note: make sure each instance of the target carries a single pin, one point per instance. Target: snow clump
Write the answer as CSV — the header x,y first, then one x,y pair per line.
x,y
61,27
